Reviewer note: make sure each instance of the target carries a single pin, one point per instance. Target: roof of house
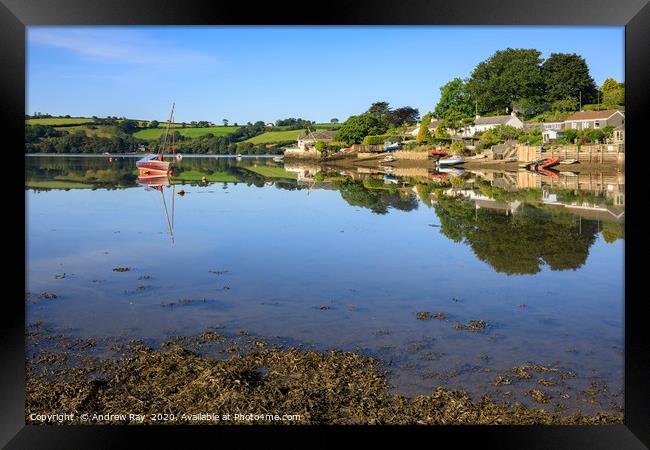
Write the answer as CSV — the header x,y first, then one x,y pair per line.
x,y
319,135
590,115
492,120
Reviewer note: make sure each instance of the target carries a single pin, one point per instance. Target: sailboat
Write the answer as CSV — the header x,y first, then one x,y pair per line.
x,y
153,165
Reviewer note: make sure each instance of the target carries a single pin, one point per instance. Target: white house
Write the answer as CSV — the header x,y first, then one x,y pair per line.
x,y
482,124
308,140
432,126
551,134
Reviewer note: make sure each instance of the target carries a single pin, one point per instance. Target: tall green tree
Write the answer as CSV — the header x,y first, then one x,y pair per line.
x,y
357,127
379,109
613,92
400,116
566,75
423,132
505,79
454,100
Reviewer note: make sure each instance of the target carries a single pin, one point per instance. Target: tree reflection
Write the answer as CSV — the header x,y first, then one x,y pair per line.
x,y
520,243
375,195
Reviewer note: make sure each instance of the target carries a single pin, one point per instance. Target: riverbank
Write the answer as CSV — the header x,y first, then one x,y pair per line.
x,y
213,378
469,164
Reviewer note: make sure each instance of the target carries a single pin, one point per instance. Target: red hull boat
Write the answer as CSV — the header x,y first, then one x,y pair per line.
x,y
153,165
545,163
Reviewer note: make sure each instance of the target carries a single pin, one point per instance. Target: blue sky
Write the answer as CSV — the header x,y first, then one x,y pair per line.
x,y
269,73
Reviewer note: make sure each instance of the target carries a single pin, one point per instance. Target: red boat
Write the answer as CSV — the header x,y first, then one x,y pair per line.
x,y
545,163
438,153
153,165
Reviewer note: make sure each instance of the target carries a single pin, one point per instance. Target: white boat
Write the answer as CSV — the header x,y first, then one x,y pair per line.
x,y
457,159
277,158
388,158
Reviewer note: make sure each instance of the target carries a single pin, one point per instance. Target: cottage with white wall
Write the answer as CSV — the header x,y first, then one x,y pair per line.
x,y
482,124
432,127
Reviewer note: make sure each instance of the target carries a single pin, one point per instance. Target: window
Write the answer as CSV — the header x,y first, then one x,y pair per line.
x,y
596,124
574,125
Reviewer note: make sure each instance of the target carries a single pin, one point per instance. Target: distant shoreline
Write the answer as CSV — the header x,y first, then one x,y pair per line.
x,y
136,155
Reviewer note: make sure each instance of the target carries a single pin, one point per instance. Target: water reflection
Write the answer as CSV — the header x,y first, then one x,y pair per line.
x,y
262,247
157,183
516,222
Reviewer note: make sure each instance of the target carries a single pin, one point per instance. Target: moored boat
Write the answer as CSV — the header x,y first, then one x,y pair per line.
x,y
452,160
153,165
544,163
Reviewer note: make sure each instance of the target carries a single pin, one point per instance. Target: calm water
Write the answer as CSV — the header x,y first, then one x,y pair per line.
x,y
334,261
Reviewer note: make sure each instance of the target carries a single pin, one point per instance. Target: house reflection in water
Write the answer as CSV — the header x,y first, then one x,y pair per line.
x,y
304,172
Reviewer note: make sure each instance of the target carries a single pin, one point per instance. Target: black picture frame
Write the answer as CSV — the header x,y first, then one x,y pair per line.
x,y
15,15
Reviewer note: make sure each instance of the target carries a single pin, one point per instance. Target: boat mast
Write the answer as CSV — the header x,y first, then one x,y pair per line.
x,y
171,123
164,142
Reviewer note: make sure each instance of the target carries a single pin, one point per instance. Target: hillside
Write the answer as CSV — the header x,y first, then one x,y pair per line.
x,y
278,134
151,134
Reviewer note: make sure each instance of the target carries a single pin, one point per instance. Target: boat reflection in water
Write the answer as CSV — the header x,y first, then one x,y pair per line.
x,y
158,183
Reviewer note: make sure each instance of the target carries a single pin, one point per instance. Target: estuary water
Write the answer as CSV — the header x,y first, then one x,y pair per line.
x,y
344,258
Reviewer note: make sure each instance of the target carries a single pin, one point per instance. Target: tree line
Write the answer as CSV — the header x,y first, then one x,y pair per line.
x,y
521,81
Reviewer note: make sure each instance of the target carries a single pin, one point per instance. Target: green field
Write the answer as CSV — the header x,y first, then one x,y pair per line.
x,y
270,137
271,172
152,134
56,184
195,175
98,130
328,126
53,121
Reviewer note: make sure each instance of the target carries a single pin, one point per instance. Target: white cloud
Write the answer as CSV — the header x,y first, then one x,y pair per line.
x,y
125,46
